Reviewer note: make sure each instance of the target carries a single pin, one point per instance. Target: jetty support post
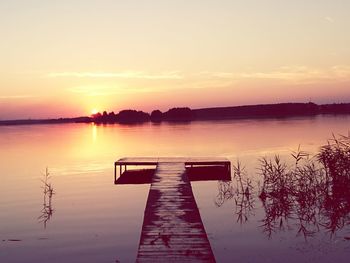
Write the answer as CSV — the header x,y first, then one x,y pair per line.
x,y
115,172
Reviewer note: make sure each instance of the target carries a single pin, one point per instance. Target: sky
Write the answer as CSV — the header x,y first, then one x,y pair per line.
x,y
69,58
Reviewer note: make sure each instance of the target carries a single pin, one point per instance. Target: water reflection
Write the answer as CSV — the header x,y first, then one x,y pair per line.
x,y
197,173
308,195
244,198
313,194
242,193
47,210
77,161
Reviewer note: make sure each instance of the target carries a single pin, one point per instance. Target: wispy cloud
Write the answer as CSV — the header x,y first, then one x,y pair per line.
x,y
296,75
15,97
217,74
93,91
329,19
124,74
299,74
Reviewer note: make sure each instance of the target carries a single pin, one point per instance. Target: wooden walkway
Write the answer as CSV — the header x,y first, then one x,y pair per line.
x,y
172,229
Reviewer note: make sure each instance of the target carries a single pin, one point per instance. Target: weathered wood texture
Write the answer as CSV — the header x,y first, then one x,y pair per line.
x,y
172,229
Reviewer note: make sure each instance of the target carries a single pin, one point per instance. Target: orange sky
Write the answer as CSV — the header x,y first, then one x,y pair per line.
x,y
66,58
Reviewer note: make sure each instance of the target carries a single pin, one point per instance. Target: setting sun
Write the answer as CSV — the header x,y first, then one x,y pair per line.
x,y
94,111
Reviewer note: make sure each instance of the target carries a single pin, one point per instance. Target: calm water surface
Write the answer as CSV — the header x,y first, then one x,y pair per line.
x,y
94,220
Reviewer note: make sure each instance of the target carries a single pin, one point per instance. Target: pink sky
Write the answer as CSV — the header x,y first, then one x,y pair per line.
x,y
112,55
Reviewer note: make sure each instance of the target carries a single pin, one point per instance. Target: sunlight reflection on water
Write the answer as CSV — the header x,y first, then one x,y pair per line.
x,y
95,220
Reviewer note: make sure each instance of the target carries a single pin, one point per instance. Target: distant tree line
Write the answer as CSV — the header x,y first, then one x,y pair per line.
x,y
133,116
185,114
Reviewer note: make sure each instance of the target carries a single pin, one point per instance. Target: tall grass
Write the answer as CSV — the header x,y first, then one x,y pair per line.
x,y
314,192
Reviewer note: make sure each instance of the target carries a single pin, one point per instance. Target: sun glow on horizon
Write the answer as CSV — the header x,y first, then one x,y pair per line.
x,y
232,60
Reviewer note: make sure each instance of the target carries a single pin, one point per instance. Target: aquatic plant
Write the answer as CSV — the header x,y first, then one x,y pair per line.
x,y
47,210
314,193
242,193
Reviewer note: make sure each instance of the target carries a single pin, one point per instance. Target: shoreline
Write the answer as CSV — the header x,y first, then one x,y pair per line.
x,y
263,111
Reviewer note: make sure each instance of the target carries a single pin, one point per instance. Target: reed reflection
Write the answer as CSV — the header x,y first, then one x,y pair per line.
x,y
47,210
313,194
242,193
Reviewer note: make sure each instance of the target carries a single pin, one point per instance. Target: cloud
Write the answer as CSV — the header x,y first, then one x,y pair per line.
x,y
341,71
95,90
217,74
329,19
298,74
124,74
294,75
15,97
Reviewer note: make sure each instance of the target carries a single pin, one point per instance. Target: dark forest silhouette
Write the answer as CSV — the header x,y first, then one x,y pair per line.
x,y
185,114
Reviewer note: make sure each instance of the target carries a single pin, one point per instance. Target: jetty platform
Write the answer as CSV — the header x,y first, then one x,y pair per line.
x,y
172,228
204,162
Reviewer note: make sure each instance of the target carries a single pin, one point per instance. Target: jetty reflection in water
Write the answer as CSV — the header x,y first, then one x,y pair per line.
x,y
144,176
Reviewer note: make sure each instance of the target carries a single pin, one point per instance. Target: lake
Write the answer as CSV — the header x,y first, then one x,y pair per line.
x,y
89,219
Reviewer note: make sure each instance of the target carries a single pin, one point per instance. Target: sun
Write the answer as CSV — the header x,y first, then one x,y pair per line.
x,y
94,111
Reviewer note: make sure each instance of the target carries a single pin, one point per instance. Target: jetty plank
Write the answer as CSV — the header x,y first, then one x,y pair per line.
x,y
172,228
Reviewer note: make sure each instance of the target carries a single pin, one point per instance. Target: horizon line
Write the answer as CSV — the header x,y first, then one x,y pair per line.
x,y
202,108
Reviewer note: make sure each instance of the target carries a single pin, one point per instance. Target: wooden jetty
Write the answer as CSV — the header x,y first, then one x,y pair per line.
x,y
172,229
153,162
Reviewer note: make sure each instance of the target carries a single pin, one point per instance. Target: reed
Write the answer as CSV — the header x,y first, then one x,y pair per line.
x,y
314,192
48,191
242,193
